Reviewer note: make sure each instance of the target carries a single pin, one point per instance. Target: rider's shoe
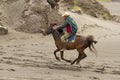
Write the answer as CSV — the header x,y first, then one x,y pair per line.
x,y
62,49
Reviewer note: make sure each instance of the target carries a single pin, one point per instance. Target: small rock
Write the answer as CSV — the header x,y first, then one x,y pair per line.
x,y
3,30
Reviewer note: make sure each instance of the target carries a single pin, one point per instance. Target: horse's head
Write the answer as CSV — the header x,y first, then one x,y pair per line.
x,y
50,29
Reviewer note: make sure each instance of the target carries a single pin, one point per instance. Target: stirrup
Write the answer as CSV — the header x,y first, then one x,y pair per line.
x,y
63,49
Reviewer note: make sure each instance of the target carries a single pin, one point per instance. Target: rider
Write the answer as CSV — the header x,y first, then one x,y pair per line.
x,y
71,29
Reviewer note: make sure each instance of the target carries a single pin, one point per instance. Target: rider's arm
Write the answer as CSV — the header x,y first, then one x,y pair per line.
x,y
62,26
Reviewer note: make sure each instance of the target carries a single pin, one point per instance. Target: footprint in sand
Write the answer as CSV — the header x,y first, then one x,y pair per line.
x,y
19,55
94,78
1,47
11,58
2,52
35,44
100,70
105,36
1,69
11,70
116,72
11,39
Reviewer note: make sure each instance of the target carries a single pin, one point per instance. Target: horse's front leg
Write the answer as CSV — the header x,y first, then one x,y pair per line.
x,y
62,57
56,55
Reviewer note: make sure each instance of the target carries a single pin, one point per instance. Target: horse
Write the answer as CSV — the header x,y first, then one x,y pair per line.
x,y
80,44
54,4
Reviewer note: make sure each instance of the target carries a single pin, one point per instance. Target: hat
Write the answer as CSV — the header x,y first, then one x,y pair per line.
x,y
66,14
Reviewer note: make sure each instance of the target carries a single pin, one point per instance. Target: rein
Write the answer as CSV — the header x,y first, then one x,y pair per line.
x,y
56,35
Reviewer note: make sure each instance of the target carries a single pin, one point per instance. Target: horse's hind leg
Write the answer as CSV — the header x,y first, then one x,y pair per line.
x,y
62,57
79,55
56,55
83,55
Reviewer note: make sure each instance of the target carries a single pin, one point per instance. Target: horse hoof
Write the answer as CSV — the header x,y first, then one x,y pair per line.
x,y
80,66
58,59
77,63
69,61
72,63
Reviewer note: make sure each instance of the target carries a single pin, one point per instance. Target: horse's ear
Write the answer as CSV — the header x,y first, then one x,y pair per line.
x,y
52,24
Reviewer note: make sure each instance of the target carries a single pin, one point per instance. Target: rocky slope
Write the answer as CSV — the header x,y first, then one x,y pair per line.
x,y
28,15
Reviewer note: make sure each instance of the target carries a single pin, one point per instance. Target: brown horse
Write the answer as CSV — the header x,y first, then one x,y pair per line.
x,y
80,44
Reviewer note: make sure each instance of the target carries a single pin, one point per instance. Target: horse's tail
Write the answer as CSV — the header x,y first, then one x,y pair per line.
x,y
90,41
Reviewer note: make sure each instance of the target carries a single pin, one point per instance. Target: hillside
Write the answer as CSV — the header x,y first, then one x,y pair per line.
x,y
27,16
35,16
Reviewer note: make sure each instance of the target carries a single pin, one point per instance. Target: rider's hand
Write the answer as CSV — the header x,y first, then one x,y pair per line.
x,y
55,27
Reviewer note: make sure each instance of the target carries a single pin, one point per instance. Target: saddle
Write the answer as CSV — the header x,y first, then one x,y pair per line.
x,y
70,39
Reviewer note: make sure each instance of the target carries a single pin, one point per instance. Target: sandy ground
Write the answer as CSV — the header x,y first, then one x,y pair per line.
x,y
26,56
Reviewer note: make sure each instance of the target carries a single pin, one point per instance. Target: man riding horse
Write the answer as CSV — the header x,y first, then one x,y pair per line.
x,y
71,29
80,43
